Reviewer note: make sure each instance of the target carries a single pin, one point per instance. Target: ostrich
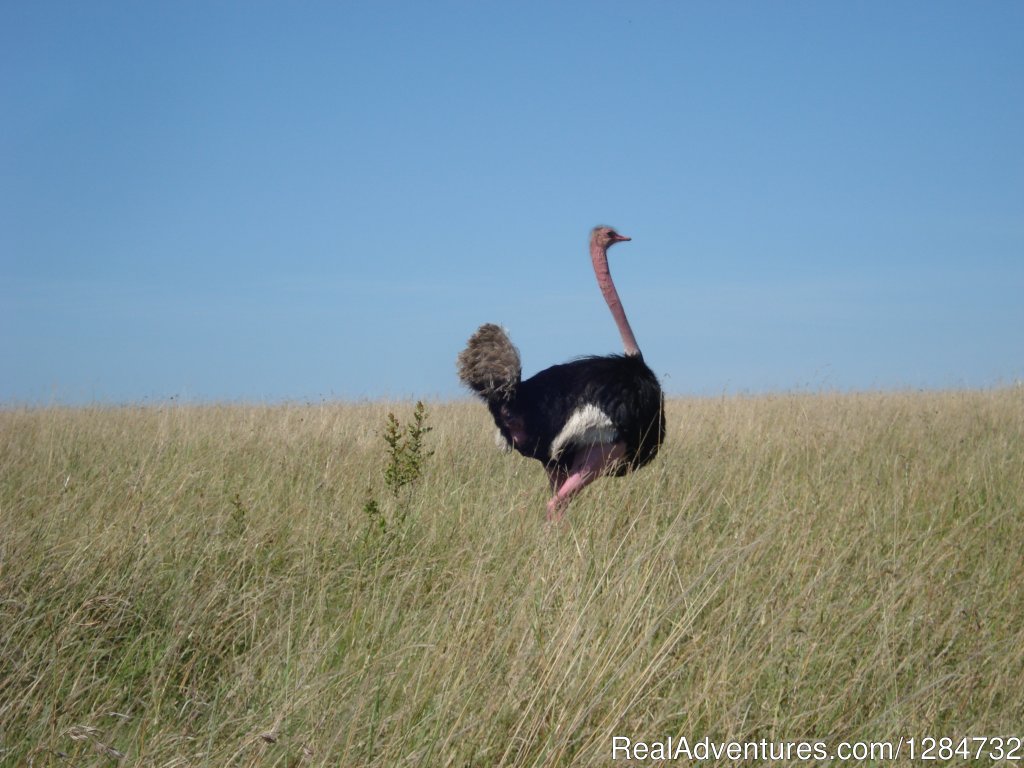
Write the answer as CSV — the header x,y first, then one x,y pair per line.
x,y
593,416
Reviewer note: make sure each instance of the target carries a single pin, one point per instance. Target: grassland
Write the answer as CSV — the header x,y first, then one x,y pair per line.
x,y
210,586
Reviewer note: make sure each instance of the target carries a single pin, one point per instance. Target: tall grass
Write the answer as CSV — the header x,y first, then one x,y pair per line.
x,y
207,586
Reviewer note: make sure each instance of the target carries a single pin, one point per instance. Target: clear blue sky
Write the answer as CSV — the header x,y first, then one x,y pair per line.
x,y
265,201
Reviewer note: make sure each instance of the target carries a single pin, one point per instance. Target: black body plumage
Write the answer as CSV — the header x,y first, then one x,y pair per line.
x,y
623,388
530,414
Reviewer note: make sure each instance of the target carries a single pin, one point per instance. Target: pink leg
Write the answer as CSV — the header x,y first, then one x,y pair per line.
x,y
587,467
556,476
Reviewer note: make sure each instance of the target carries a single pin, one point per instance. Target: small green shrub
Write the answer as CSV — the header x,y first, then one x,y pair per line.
x,y
406,458
406,453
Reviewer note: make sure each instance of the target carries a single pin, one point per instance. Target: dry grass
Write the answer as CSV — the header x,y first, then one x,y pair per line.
x,y
186,586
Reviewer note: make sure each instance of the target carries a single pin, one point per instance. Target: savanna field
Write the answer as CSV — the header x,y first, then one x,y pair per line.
x,y
186,585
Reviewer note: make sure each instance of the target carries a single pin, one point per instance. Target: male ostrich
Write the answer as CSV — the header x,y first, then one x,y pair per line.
x,y
589,417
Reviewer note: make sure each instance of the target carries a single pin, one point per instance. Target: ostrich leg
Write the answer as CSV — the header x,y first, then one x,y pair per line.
x,y
586,467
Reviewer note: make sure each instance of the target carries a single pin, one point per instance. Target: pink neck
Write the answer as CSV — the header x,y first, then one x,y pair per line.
x,y
599,256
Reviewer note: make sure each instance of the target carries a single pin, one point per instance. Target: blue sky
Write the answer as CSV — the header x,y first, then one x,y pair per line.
x,y
267,201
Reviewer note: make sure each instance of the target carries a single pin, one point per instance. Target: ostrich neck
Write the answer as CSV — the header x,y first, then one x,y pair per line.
x,y
599,256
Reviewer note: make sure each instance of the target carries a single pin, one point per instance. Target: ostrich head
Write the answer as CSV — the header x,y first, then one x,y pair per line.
x,y
603,237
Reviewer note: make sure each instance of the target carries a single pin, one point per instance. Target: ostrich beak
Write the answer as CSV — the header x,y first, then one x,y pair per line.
x,y
622,238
